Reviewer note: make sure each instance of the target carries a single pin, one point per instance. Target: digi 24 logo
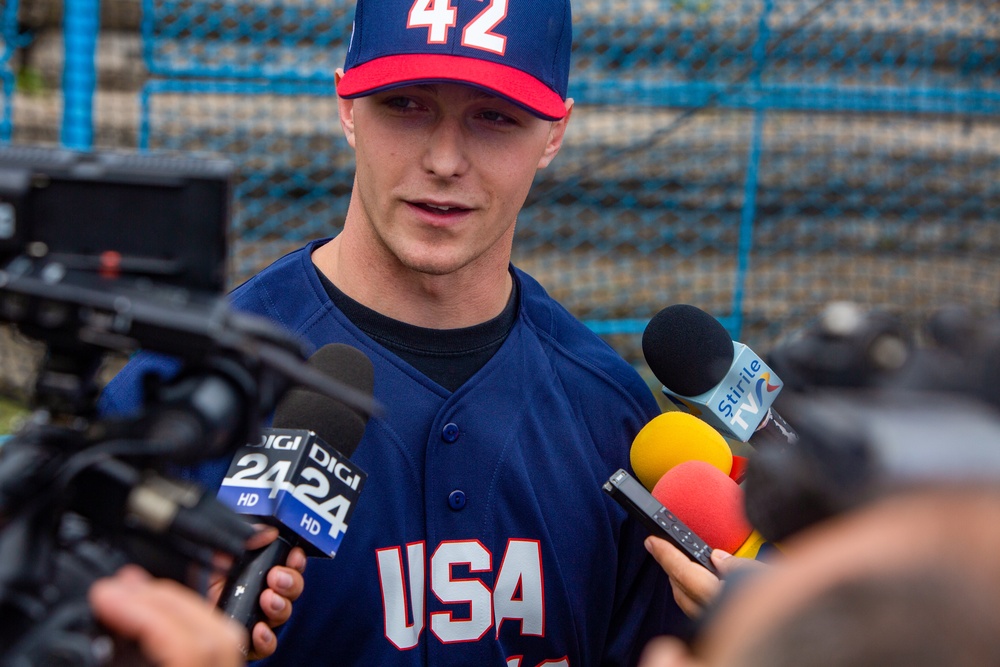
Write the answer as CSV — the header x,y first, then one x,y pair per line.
x,y
296,478
438,16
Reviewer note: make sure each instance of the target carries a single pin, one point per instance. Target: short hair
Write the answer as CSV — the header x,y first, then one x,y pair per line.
x,y
937,615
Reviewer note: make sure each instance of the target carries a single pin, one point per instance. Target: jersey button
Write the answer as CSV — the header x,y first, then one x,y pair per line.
x,y
449,433
456,499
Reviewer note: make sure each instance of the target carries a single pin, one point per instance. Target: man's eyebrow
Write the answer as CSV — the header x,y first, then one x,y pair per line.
x,y
474,92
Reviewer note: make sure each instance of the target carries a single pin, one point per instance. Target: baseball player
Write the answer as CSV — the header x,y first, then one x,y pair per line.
x,y
483,536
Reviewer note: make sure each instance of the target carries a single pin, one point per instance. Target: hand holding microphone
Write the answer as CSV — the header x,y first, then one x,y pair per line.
x,y
273,583
689,468
295,481
691,471
711,504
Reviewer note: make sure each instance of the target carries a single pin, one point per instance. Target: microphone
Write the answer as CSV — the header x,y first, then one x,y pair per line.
x,y
738,472
298,477
673,438
704,372
712,505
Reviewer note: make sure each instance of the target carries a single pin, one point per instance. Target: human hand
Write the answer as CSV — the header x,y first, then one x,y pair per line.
x,y
667,652
285,585
173,625
693,585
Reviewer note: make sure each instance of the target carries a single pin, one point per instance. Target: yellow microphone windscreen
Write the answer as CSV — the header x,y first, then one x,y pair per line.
x,y
751,546
672,438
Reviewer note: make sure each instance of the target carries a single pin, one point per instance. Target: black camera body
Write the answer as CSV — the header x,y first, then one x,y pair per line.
x,y
115,252
878,408
162,218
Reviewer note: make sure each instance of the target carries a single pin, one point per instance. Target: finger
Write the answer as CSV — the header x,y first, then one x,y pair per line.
x,y
670,558
726,563
132,575
276,608
692,608
702,589
297,559
169,621
664,652
286,581
700,584
265,643
285,585
265,535
221,563
214,589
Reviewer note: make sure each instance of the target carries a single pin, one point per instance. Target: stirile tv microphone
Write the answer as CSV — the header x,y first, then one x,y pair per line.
x,y
704,372
298,478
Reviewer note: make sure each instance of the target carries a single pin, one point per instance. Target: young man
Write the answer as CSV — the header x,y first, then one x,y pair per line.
x,y
483,536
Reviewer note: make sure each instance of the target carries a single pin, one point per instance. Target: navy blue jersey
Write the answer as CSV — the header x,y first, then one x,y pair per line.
x,y
482,536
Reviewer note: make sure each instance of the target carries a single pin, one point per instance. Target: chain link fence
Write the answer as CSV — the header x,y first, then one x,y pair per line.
x,y
756,158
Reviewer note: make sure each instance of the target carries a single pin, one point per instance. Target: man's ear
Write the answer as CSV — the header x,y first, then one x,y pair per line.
x,y
345,109
557,130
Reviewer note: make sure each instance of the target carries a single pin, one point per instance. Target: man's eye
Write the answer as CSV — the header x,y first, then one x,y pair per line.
x,y
400,103
497,117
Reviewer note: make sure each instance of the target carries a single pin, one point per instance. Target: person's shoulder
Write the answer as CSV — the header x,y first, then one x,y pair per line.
x,y
580,351
287,291
124,394
555,323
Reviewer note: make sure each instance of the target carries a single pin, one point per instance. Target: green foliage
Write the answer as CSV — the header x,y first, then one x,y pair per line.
x,y
694,6
11,414
30,81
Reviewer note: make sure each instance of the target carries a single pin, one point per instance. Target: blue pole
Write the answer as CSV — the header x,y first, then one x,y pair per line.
x,y
11,42
81,24
752,174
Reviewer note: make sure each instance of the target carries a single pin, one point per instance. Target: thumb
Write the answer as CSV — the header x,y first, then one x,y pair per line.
x,y
726,563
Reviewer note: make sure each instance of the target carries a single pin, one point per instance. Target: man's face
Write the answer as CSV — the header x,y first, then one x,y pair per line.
x,y
442,171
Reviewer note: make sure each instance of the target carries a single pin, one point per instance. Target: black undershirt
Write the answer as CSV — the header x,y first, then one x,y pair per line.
x,y
449,357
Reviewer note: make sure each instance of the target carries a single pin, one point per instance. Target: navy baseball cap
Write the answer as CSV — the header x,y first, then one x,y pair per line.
x,y
517,49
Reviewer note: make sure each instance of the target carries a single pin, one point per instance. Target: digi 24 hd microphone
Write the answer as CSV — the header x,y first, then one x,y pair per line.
x,y
704,372
298,478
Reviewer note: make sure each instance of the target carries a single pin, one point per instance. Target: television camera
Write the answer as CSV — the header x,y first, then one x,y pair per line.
x,y
111,253
879,406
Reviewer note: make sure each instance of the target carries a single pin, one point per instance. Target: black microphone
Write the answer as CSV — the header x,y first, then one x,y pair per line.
x,y
298,478
704,372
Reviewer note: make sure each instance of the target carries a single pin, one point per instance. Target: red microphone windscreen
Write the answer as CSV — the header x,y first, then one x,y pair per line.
x,y
708,501
739,469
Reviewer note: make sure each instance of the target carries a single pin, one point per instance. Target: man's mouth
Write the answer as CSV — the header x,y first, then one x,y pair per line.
x,y
440,209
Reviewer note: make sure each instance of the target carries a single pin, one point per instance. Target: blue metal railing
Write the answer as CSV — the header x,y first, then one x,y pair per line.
x,y
778,131
11,41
